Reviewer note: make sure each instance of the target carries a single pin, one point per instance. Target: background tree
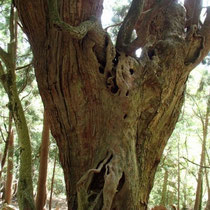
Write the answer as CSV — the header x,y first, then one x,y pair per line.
x,y
112,114
204,118
8,80
41,188
8,187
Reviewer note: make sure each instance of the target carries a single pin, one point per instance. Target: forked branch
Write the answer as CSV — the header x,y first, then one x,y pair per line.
x,y
125,32
143,29
77,32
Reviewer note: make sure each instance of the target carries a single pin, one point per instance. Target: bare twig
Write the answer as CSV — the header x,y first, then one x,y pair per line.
x,y
195,163
114,25
25,66
25,97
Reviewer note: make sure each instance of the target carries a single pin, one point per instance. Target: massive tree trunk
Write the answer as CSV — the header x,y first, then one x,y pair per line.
x,y
111,113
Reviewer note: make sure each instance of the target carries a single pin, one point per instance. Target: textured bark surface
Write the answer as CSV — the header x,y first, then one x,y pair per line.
x,y
111,114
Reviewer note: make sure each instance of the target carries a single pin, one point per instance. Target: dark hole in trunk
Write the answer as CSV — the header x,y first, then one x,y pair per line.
x,y
121,182
115,88
125,116
131,71
97,181
101,70
92,197
151,53
115,60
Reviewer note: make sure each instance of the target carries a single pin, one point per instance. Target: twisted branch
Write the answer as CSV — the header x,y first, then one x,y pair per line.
x,y
76,32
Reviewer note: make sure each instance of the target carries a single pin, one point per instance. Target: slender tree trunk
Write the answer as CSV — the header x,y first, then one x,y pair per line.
x,y
3,160
205,122
8,189
25,187
4,156
207,160
52,182
208,201
198,199
208,188
178,189
41,188
164,189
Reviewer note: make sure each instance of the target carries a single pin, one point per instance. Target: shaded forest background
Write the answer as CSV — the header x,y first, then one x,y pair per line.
x,y
182,166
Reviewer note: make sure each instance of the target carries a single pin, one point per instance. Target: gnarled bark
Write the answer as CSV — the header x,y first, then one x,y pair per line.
x,y
111,114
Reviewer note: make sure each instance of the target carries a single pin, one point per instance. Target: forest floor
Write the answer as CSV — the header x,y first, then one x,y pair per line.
x,y
58,203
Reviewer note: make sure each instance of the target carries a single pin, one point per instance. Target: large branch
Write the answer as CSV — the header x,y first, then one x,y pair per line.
x,y
205,30
193,10
125,32
149,15
205,34
77,32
